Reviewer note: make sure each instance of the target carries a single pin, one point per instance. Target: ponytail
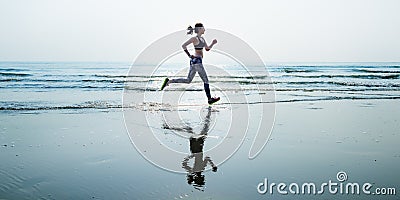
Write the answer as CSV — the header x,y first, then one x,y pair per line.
x,y
195,29
189,30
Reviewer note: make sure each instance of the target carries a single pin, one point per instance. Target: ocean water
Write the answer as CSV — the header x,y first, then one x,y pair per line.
x,y
98,86
62,131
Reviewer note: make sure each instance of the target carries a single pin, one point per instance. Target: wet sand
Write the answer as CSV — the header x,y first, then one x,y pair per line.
x,y
88,154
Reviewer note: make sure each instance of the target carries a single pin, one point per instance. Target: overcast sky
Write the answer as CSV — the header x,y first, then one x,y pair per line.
x,y
279,30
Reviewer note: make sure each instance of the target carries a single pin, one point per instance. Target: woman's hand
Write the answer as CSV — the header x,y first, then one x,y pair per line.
x,y
212,44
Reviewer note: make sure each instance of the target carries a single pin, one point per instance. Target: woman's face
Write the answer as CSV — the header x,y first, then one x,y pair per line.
x,y
201,30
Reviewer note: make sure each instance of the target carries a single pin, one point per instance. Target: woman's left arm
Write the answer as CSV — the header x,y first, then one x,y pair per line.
x,y
212,44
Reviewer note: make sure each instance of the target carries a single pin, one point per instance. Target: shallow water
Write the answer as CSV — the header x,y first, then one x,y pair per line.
x,y
75,86
63,135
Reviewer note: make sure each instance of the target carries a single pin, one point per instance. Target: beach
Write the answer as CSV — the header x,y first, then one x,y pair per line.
x,y
64,131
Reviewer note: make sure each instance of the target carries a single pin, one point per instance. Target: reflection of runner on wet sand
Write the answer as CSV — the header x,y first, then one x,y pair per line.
x,y
195,175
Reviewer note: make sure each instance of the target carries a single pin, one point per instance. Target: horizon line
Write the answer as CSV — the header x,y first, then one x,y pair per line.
x,y
121,61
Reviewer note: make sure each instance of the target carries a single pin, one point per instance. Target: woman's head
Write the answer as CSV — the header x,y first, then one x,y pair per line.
x,y
198,28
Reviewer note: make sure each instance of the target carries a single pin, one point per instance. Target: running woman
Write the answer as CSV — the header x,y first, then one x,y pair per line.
x,y
196,64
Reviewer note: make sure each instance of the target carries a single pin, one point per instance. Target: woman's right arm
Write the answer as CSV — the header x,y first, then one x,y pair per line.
x,y
184,46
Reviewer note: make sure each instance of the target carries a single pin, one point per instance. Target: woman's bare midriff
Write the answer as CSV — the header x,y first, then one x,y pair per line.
x,y
199,53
